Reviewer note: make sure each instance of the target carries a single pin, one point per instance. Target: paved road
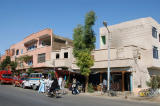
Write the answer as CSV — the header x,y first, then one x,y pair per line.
x,y
11,96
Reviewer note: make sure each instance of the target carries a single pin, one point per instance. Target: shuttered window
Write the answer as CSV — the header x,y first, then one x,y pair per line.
x,y
41,58
103,39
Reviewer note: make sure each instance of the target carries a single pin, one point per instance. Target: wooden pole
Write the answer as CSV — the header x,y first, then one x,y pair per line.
x,y
123,81
100,77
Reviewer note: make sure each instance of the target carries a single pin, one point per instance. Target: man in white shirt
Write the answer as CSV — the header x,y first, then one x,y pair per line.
x,y
60,82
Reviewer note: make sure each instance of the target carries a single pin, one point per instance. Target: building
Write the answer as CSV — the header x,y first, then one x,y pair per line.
x,y
38,46
134,55
134,51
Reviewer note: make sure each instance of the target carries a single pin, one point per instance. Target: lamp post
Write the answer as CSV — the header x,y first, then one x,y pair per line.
x,y
108,45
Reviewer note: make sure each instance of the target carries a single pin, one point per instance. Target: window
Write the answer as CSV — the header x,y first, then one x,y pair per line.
x,y
21,51
154,32
30,63
66,55
103,39
41,58
155,52
57,55
17,52
32,47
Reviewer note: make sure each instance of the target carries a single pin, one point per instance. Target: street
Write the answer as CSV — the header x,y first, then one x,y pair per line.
x,y
13,96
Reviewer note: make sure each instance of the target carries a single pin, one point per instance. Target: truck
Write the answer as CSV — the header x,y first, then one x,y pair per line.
x,y
33,81
6,77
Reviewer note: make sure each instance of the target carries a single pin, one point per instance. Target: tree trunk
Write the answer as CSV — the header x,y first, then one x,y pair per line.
x,y
86,87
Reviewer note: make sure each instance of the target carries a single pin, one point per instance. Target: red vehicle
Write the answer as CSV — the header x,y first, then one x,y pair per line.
x,y
6,77
17,81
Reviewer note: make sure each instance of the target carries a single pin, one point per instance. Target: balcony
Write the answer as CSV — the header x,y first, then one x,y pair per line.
x,y
62,63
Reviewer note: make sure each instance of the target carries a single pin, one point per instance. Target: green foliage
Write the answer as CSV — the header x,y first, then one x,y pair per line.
x,y
90,88
78,40
154,82
25,58
13,65
30,70
84,43
67,83
89,35
84,62
6,62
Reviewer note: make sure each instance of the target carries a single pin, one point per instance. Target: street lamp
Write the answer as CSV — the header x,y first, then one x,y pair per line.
x,y
108,71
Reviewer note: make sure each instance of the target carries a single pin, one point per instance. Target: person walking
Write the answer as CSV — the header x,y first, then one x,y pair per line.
x,y
42,85
54,85
60,82
104,85
63,85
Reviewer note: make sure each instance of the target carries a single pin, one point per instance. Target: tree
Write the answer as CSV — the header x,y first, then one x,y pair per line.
x,y
78,40
84,42
6,62
154,82
13,65
25,58
89,36
30,70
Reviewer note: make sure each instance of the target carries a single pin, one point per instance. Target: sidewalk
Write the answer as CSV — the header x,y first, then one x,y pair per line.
x,y
121,97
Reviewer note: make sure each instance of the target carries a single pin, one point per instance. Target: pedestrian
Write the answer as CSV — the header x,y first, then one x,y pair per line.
x,y
74,87
60,82
42,85
54,85
63,85
48,83
104,85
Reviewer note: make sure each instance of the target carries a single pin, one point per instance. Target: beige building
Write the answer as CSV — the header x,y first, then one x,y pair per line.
x,y
135,45
134,55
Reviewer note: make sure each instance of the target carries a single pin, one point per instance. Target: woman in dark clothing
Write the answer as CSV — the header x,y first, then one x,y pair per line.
x,y
54,85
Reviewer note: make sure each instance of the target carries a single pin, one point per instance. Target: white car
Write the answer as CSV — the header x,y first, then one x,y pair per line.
x,y
33,81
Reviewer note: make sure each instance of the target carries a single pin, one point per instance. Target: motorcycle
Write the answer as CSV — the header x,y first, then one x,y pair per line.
x,y
53,93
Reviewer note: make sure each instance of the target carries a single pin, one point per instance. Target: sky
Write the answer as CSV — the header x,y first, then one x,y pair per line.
x,y
20,18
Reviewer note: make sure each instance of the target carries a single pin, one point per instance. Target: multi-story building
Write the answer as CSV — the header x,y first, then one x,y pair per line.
x,y
38,46
135,46
134,55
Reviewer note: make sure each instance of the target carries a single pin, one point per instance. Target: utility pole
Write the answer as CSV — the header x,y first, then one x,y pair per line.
x,y
108,46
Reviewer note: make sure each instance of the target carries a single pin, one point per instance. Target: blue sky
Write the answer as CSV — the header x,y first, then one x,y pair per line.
x,y
20,18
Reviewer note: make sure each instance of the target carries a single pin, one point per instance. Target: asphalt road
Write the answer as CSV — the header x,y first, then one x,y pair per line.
x,y
11,96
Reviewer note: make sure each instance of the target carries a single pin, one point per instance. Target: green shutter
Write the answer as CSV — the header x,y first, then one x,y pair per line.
x,y
103,39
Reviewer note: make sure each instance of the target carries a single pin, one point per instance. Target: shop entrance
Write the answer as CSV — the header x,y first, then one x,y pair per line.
x,y
119,81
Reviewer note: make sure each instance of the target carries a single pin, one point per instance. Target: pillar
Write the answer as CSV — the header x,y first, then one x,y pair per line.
x,y
100,77
131,84
123,81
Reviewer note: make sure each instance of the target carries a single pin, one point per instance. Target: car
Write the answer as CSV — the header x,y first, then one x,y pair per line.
x,y
17,81
6,77
33,81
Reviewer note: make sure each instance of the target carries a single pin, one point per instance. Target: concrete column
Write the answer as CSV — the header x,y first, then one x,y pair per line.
x,y
131,84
